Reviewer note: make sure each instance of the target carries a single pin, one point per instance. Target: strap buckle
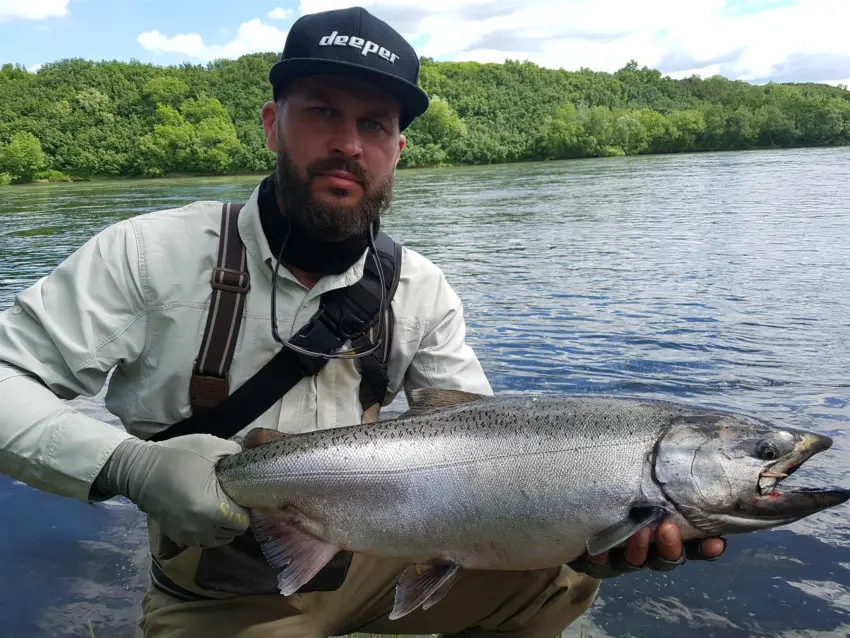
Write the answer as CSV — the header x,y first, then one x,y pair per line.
x,y
318,336
230,280
207,392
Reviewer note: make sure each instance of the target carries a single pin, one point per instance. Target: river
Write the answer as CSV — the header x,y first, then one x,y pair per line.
x,y
721,279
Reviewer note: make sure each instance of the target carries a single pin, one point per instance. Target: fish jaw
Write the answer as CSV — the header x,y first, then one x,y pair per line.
x,y
809,445
786,506
781,508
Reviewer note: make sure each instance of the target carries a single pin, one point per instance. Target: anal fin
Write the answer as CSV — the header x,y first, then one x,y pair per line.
x,y
422,585
297,554
640,516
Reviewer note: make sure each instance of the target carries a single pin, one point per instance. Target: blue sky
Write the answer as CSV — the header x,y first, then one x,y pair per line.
x,y
108,29
754,40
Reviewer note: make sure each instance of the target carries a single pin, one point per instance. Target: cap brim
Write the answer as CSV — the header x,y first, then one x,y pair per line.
x,y
414,101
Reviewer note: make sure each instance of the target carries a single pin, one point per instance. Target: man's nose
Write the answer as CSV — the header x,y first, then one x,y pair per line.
x,y
346,139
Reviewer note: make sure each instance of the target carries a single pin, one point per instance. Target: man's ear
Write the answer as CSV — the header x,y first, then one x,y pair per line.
x,y
402,142
269,113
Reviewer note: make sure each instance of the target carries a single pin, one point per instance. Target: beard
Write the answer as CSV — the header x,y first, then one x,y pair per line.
x,y
324,221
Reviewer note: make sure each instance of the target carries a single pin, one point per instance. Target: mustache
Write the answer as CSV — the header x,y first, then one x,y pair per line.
x,y
337,164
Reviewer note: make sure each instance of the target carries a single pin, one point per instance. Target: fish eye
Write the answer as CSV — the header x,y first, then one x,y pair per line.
x,y
767,451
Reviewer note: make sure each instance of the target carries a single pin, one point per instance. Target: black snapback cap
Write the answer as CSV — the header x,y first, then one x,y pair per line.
x,y
352,42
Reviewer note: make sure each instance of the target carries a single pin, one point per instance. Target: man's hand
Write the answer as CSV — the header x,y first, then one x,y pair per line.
x,y
174,482
660,550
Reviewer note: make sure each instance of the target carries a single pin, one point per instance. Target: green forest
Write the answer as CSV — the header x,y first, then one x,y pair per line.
x,y
84,119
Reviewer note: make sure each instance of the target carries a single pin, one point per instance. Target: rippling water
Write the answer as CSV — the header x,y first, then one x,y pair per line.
x,y
722,279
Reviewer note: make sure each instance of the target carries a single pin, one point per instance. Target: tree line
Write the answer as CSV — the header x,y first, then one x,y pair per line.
x,y
81,119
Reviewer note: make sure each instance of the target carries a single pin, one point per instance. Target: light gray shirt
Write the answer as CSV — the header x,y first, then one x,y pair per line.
x,y
133,302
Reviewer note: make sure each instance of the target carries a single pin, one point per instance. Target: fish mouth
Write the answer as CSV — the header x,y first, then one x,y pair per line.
x,y
793,504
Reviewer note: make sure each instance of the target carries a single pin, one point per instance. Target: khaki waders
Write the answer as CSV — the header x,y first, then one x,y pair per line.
x,y
533,604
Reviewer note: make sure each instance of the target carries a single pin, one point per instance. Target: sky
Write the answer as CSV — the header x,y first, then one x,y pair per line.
x,y
753,40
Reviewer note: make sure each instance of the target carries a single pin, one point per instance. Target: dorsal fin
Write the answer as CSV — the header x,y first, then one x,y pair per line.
x,y
259,436
424,400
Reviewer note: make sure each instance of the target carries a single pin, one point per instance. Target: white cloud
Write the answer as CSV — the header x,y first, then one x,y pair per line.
x,y
252,37
191,44
32,9
280,14
678,37
804,40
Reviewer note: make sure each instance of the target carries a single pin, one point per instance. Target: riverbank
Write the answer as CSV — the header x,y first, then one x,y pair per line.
x,y
63,179
87,119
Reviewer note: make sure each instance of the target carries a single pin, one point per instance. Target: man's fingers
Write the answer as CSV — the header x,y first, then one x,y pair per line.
x,y
637,547
712,547
661,551
706,549
599,559
669,541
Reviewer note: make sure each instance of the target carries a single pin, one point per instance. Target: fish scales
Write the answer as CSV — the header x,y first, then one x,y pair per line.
x,y
450,485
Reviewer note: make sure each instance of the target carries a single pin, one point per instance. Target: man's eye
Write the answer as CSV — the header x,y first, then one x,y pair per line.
x,y
324,111
373,125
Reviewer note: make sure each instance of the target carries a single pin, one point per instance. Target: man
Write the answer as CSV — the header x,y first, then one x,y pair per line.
x,y
135,300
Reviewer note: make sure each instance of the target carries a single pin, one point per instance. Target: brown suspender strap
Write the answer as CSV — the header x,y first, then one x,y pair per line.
x,y
230,282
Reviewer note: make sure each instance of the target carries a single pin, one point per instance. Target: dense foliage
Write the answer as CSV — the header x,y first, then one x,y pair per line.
x,y
85,118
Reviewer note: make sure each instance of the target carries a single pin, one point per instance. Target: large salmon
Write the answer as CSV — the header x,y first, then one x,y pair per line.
x,y
512,482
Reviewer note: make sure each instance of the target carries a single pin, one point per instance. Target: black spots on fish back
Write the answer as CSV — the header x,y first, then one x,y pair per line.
x,y
409,430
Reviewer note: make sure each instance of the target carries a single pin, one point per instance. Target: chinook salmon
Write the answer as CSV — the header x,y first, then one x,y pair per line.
x,y
462,481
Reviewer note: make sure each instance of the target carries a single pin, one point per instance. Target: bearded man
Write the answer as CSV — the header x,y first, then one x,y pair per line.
x,y
207,317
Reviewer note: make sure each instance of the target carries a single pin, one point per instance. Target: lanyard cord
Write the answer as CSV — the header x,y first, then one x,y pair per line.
x,y
309,353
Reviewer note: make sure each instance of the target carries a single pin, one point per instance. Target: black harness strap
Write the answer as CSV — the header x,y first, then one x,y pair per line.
x,y
344,315
373,369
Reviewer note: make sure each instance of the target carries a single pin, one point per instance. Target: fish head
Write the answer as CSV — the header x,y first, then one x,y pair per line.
x,y
723,472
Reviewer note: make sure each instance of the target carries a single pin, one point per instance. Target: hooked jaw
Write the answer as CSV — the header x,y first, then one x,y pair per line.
x,y
769,502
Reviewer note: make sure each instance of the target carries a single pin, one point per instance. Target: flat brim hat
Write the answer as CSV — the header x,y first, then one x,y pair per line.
x,y
354,43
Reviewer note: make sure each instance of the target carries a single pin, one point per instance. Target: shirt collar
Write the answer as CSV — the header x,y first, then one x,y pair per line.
x,y
257,247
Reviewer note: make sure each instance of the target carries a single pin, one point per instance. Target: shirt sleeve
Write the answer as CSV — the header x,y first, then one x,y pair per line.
x,y
60,339
444,359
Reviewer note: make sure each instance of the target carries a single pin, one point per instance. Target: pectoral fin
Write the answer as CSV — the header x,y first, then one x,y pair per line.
x,y
640,516
422,585
297,554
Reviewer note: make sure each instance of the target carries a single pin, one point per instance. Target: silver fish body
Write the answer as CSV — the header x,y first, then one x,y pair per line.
x,y
513,482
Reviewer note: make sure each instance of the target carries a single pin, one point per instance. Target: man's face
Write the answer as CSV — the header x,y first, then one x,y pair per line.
x,y
338,145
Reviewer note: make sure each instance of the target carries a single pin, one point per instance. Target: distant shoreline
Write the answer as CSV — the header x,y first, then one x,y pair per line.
x,y
95,179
